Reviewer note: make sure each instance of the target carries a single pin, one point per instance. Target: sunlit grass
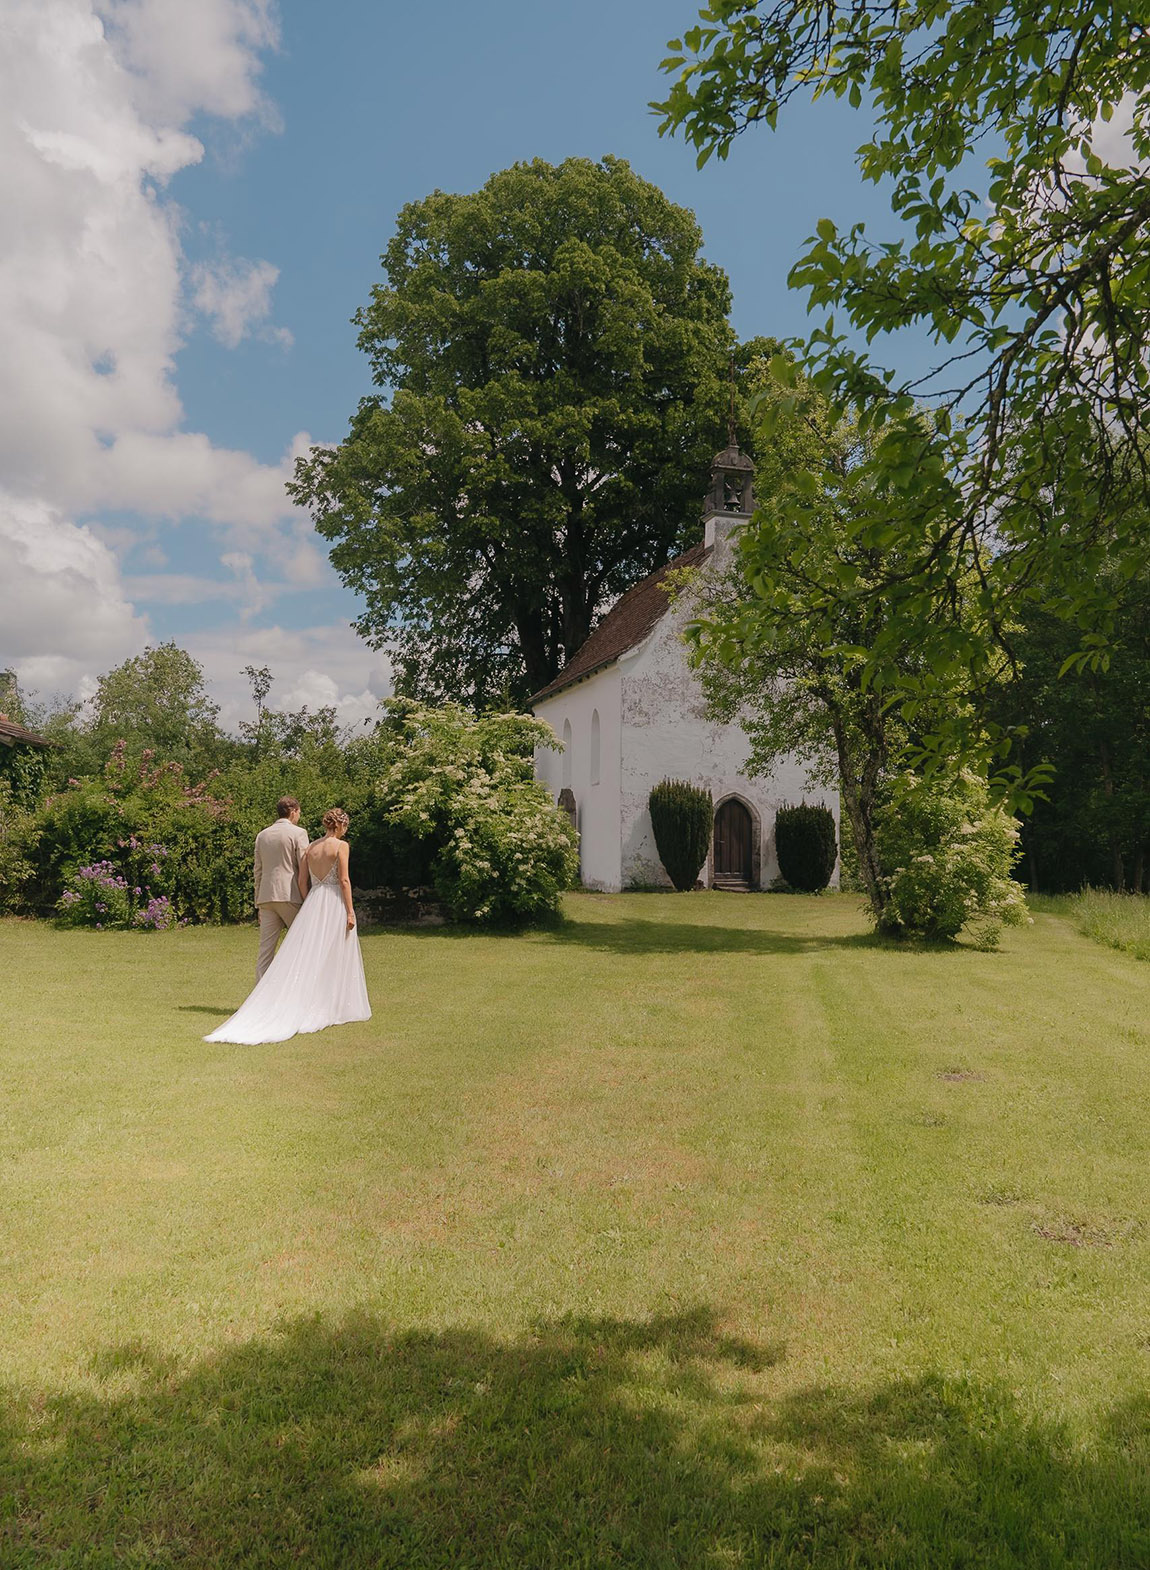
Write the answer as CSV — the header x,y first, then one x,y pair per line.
x,y
1122,921
703,1230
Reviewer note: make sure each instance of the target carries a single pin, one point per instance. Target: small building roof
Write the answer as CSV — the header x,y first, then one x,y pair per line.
x,y
732,458
626,624
12,734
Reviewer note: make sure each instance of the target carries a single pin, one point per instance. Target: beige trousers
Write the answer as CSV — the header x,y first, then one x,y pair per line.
x,y
276,916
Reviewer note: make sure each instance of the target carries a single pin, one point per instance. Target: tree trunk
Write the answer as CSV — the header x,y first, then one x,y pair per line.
x,y
539,662
857,788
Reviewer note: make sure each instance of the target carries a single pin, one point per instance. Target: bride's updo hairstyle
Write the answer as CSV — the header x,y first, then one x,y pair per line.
x,y
335,821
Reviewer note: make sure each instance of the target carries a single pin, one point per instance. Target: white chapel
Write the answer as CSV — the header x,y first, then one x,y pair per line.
x,y
629,712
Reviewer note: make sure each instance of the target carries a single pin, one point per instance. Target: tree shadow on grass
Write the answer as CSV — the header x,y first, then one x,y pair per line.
x,y
677,937
633,936
587,1442
639,935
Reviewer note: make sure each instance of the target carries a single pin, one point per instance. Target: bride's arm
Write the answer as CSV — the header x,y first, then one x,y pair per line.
x,y
304,879
345,884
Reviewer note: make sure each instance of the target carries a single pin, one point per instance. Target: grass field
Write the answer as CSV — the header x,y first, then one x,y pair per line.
x,y
1121,920
701,1231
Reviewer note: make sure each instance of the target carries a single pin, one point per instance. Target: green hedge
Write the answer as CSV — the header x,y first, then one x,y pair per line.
x,y
805,846
681,816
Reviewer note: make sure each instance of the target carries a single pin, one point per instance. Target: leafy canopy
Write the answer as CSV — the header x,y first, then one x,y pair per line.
x,y
550,354
785,641
156,699
1027,263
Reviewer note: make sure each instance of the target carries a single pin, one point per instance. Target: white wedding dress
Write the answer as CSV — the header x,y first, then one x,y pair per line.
x,y
314,981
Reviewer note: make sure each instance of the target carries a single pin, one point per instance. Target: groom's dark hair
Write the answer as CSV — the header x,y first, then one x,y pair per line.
x,y
286,805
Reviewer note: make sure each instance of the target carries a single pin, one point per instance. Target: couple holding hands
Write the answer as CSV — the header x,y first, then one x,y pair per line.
x,y
302,889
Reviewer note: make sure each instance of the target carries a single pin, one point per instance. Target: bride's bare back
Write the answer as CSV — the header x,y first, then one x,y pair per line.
x,y
320,865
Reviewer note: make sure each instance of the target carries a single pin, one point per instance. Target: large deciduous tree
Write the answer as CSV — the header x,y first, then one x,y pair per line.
x,y
158,700
1014,138
550,355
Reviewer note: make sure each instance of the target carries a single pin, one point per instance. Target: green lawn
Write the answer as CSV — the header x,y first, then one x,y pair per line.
x,y
702,1231
1121,920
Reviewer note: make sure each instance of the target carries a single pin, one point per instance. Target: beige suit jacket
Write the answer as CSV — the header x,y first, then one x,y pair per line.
x,y
277,859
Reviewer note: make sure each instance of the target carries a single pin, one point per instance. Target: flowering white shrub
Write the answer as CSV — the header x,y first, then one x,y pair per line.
x,y
947,853
504,851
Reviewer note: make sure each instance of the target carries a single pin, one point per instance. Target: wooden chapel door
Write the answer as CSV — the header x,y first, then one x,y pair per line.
x,y
733,843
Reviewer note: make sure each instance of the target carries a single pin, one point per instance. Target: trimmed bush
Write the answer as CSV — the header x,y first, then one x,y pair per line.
x,y
806,848
681,816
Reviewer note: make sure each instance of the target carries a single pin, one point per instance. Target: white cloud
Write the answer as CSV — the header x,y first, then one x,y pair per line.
x,y
91,285
237,299
316,666
1113,139
96,97
188,56
65,610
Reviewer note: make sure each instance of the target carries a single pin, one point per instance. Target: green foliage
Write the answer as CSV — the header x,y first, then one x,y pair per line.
x,y
681,817
1092,825
1029,269
19,836
948,854
157,700
806,847
551,357
154,831
783,641
128,794
465,788
23,770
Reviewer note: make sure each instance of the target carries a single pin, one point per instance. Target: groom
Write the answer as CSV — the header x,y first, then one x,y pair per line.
x,y
276,869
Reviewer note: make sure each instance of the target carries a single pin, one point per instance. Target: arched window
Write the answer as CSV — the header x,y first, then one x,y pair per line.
x,y
566,754
594,746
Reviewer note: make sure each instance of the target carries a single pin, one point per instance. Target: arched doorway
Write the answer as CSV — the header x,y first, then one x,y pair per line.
x,y
734,845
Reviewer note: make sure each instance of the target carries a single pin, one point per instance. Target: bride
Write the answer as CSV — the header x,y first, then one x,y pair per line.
x,y
316,979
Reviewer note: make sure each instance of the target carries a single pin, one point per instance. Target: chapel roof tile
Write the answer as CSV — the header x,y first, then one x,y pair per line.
x,y
627,623
11,733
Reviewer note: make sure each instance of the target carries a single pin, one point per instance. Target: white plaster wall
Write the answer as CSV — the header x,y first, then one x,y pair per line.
x,y
597,805
665,734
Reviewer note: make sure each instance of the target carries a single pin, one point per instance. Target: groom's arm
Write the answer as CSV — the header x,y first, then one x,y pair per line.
x,y
303,874
256,870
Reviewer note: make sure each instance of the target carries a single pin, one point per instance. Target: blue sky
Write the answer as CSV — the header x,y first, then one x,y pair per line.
x,y
382,103
315,124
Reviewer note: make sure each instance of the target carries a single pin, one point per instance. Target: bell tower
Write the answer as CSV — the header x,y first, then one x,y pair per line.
x,y
731,498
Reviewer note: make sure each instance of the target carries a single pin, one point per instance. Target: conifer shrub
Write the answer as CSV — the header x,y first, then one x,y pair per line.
x,y
805,846
681,818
